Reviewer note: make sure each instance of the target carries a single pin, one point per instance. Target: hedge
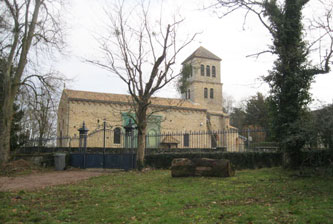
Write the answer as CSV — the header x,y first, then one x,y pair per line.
x,y
245,160
317,158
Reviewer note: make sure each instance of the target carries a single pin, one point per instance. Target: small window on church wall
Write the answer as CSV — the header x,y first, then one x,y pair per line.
x,y
202,70
116,136
211,95
207,70
186,140
206,93
188,94
213,71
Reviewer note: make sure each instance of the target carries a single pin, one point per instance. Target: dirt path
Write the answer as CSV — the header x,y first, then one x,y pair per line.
x,y
42,180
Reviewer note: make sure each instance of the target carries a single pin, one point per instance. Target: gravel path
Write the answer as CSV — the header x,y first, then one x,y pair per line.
x,y
42,180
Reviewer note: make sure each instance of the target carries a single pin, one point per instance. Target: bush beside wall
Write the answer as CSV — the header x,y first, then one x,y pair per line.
x,y
317,158
246,160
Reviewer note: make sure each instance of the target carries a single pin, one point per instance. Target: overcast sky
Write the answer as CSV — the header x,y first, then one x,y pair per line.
x,y
228,38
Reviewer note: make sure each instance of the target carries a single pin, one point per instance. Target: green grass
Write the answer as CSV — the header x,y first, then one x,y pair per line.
x,y
252,196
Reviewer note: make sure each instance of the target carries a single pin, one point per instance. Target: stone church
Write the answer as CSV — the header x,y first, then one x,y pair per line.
x,y
198,111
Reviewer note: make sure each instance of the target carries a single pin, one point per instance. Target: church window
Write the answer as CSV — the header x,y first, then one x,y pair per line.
x,y
206,93
186,140
214,140
152,139
188,94
207,70
116,136
211,95
202,70
213,71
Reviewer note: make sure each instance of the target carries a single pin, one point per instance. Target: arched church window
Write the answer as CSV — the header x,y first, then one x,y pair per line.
x,y
206,93
213,71
202,70
186,140
151,139
211,95
116,136
207,70
188,94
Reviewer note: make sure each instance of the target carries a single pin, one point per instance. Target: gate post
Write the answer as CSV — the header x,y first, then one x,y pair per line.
x,y
129,138
83,141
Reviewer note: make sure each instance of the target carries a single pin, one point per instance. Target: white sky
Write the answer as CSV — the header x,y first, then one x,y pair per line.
x,y
227,38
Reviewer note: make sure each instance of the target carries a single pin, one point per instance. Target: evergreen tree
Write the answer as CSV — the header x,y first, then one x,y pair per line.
x,y
17,136
292,74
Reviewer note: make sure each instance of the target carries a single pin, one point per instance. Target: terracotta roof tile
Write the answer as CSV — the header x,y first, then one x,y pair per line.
x,y
122,98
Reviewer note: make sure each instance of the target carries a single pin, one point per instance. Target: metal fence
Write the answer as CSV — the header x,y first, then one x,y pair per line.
x,y
227,140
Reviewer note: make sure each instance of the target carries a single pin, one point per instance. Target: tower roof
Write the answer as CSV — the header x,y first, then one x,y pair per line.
x,y
202,52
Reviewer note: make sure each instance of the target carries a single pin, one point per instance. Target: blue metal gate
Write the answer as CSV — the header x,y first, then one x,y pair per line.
x,y
115,161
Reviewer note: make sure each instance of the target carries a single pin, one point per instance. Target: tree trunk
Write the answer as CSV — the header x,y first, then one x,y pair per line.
x,y
292,159
140,155
142,126
183,167
5,126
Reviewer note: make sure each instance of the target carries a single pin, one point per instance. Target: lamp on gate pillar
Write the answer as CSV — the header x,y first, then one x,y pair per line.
x,y
83,135
129,132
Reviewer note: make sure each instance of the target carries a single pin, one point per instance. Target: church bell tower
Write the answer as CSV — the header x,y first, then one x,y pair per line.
x,y
205,85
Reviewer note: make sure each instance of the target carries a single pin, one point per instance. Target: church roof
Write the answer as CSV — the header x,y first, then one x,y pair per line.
x,y
202,52
77,95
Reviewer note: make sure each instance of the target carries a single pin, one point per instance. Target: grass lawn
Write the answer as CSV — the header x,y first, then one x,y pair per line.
x,y
252,196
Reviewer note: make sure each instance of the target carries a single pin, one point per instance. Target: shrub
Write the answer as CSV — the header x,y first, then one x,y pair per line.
x,y
246,160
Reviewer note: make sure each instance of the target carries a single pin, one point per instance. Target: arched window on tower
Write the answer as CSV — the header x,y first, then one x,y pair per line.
x,y
207,70
206,93
211,95
188,94
213,71
202,70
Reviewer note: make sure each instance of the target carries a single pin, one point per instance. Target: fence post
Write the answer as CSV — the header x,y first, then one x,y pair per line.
x,y
248,139
83,141
104,126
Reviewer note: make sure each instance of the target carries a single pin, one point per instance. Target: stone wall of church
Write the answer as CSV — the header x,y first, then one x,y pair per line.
x,y
212,104
93,114
172,121
178,120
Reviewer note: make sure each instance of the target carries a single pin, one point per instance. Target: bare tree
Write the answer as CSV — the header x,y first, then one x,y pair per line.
x,y
40,106
228,103
24,25
141,53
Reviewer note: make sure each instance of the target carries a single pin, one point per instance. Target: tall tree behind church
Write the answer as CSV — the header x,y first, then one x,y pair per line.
x,y
141,51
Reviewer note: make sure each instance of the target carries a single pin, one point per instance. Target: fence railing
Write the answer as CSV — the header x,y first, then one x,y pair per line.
x,y
225,140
